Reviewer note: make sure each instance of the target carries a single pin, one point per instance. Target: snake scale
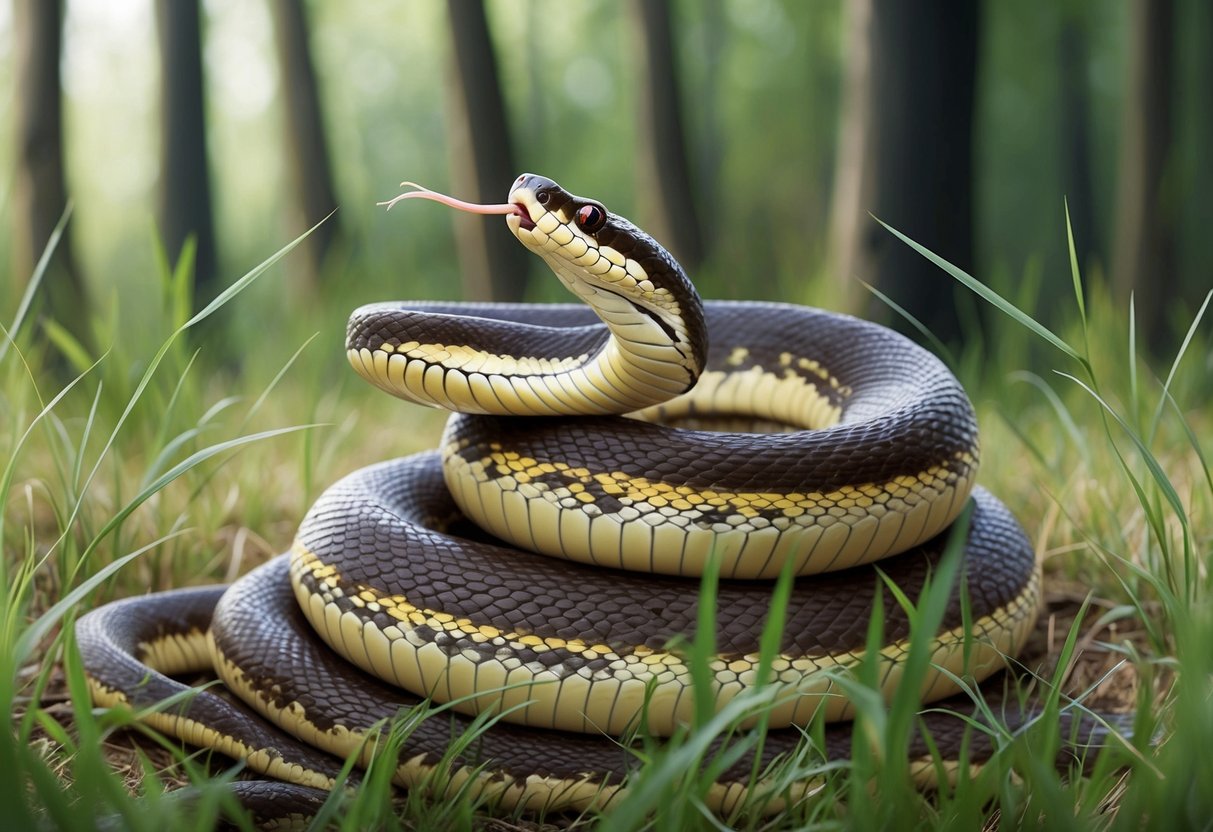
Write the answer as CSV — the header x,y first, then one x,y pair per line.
x,y
544,564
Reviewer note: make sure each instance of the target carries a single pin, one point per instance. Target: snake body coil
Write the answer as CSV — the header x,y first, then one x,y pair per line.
x,y
563,606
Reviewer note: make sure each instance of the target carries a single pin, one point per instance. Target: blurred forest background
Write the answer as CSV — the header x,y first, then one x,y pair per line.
x,y
753,137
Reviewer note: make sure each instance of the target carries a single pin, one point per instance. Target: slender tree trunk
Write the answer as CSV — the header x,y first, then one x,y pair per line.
x,y
855,169
185,189
665,173
711,137
1195,211
308,153
1144,258
494,264
905,151
40,196
536,122
1075,136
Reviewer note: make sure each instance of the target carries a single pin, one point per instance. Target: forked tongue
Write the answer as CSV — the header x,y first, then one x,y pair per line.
x,y
423,192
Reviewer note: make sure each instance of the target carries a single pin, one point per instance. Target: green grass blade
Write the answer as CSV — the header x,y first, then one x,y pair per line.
x,y
1179,356
252,411
89,422
180,468
239,286
1133,388
77,356
992,297
680,761
225,296
6,479
939,347
1076,277
39,628
35,280
1068,423
703,646
1159,475
1194,444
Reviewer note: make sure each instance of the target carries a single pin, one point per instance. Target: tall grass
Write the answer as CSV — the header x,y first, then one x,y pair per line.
x,y
1124,469
153,466
83,478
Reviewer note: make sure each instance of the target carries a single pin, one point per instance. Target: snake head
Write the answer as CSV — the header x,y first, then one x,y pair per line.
x,y
538,197
603,258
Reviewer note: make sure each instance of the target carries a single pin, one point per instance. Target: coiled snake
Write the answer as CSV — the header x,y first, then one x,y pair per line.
x,y
562,609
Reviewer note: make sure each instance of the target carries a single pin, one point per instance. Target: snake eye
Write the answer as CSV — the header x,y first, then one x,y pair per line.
x,y
542,197
590,218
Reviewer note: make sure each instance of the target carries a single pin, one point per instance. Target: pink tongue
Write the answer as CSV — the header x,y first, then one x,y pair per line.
x,y
470,207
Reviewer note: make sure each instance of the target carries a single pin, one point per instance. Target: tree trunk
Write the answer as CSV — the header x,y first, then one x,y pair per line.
x,y
854,171
185,190
1076,136
494,265
308,155
1144,258
905,152
665,177
714,23
40,196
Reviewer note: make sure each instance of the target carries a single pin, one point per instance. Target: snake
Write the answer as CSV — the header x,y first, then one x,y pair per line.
x,y
541,568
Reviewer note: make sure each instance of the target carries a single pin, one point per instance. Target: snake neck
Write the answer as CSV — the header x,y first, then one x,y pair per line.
x,y
656,339
536,360
656,345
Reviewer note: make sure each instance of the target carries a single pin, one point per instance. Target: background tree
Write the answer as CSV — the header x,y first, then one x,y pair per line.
x,y
708,123
905,151
306,137
494,266
1074,121
769,160
1144,257
185,188
664,169
40,196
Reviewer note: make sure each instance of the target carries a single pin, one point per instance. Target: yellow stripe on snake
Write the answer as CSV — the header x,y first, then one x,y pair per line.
x,y
544,564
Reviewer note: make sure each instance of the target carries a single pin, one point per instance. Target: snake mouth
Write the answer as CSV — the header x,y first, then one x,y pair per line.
x,y
524,217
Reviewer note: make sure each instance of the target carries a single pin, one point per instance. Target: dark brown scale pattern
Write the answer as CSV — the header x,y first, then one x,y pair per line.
x,y
264,608
271,802
110,640
905,413
489,327
124,626
260,627
376,528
